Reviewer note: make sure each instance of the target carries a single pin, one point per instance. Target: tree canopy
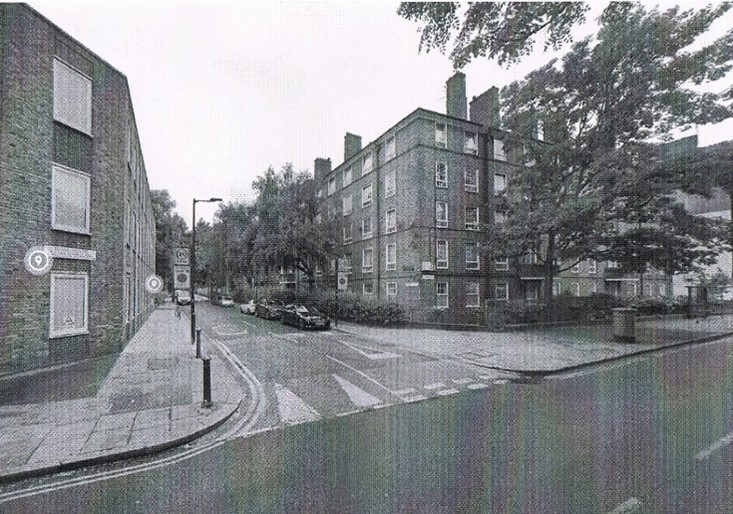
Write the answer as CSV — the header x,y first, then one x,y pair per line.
x,y
171,233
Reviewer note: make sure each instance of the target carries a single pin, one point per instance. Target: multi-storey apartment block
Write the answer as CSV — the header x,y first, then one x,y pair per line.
x,y
415,206
77,233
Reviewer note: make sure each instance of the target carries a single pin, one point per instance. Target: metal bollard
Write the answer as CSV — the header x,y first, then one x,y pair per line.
x,y
207,383
198,343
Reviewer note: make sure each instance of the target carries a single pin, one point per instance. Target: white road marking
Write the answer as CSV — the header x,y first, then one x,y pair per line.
x,y
436,385
370,379
292,409
627,507
447,392
501,381
462,381
225,330
416,398
358,396
477,386
717,445
279,336
371,353
405,391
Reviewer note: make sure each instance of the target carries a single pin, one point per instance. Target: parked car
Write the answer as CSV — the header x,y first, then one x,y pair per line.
x,y
248,308
269,309
183,297
305,317
222,300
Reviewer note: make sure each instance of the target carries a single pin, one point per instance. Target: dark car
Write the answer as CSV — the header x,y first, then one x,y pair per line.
x,y
269,309
305,317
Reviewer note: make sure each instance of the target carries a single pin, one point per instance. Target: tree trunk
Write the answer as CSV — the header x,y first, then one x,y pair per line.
x,y
549,271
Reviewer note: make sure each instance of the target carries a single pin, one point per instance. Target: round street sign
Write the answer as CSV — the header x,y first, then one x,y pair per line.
x,y
154,284
37,261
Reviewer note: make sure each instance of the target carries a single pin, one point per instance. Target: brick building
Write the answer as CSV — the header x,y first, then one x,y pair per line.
x,y
416,203
73,185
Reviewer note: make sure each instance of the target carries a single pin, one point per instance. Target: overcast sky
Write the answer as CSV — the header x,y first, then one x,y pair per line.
x,y
222,90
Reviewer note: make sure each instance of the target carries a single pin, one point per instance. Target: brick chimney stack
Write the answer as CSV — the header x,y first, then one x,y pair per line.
x,y
455,96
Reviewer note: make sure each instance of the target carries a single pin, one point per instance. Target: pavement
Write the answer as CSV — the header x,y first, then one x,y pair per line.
x,y
146,400
149,397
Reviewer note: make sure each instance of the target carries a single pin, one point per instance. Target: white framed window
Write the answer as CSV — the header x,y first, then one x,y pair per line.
x,y
69,304
390,219
391,290
530,257
501,291
613,265
472,295
470,143
592,266
347,203
499,153
441,214
331,186
390,149
366,228
662,289
391,256
70,200
575,269
72,97
345,264
441,254
540,130
367,288
594,287
441,295
471,180
472,221
366,195
366,163
441,175
556,288
390,184
347,233
473,259
499,217
532,293
348,176
576,289
501,264
367,263
441,135
499,182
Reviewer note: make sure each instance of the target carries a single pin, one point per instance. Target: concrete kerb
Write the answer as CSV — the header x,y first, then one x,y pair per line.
x,y
61,467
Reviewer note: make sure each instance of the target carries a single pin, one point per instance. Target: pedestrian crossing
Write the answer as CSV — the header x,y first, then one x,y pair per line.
x,y
338,394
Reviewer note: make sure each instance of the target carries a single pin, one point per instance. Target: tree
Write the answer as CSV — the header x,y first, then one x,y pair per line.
x,y
170,233
505,31
596,104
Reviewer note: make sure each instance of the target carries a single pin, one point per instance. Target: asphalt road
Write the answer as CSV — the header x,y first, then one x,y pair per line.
x,y
651,434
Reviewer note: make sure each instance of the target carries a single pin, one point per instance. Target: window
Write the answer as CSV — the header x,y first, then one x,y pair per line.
x,y
366,195
556,288
530,257
499,217
347,204
391,290
347,233
366,163
441,175
592,266
331,186
613,265
472,295
499,182
389,149
391,221
499,153
473,261
441,214
471,180
72,98
441,254
69,304
441,138
501,291
575,269
345,264
366,260
470,143
441,295
390,184
662,290
366,228
348,176
368,287
501,264
576,289
540,130
70,200
391,256
471,218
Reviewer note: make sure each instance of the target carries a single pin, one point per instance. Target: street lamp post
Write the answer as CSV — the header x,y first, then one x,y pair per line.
x,y
193,268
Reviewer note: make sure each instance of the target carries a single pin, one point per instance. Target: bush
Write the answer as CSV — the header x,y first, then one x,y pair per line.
x,y
650,306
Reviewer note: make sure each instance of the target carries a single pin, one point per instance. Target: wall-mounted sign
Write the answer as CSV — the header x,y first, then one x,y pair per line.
x,y
37,261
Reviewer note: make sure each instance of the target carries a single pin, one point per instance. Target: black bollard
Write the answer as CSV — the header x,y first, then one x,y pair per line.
x,y
198,343
207,383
